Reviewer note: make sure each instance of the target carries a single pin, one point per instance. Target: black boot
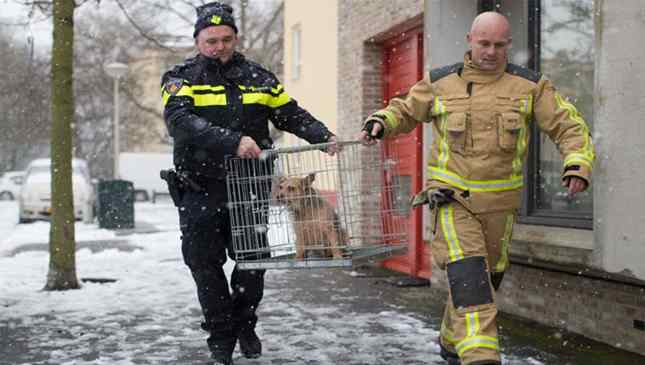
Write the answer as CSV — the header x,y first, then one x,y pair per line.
x,y
250,344
221,343
219,358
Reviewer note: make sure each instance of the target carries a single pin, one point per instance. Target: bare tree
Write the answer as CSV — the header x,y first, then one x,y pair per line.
x,y
24,101
259,23
62,244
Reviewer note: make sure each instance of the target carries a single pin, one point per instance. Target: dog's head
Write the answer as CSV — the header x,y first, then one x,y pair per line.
x,y
293,190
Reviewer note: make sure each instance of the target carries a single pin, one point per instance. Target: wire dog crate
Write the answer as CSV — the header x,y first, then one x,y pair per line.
x,y
297,207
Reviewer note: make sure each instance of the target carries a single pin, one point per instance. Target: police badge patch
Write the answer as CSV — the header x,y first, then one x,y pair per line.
x,y
173,86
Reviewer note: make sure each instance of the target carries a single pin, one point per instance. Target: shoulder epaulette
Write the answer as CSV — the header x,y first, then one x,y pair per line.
x,y
185,70
441,72
523,72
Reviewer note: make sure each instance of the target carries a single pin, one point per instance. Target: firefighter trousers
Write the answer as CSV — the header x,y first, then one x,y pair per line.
x,y
473,249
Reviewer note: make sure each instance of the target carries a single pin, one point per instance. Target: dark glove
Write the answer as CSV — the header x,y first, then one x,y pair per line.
x,y
369,125
440,197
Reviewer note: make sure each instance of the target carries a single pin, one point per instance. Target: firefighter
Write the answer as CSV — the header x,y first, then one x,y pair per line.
x,y
218,104
480,113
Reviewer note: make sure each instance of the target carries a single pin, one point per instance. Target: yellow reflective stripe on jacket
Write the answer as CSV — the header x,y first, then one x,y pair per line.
x,y
390,120
218,97
184,91
472,324
470,343
457,181
217,88
444,148
502,264
274,90
276,98
586,154
450,233
522,140
265,99
578,158
209,99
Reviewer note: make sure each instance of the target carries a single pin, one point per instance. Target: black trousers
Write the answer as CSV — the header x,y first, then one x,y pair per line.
x,y
206,239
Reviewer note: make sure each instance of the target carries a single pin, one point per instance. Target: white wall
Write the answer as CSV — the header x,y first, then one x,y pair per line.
x,y
619,131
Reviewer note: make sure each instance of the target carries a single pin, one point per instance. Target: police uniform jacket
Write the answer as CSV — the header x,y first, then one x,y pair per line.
x,y
480,126
210,106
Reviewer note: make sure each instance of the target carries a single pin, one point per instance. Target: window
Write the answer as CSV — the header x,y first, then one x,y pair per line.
x,y
563,42
560,45
296,52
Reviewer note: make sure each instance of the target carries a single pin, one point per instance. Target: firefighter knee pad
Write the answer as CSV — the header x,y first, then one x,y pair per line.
x,y
469,283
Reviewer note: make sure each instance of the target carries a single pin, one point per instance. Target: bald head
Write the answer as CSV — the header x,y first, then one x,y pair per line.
x,y
489,39
491,22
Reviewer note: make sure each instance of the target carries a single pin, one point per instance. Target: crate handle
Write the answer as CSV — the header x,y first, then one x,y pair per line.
x,y
311,147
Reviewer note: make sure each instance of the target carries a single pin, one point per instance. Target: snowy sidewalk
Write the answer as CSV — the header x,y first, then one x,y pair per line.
x,y
150,315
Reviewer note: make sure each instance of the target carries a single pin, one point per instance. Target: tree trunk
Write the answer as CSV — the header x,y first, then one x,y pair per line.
x,y
62,245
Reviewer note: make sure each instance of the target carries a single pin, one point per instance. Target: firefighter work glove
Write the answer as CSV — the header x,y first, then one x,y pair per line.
x,y
440,197
434,198
369,124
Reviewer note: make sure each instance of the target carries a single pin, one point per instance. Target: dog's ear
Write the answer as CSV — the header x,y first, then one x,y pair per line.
x,y
309,179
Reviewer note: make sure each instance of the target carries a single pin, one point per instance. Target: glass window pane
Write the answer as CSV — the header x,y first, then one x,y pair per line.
x,y
566,57
295,52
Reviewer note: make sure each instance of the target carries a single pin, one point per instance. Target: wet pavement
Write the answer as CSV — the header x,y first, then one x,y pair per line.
x,y
354,317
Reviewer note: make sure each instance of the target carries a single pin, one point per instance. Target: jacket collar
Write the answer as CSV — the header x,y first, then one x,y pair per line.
x,y
232,66
472,72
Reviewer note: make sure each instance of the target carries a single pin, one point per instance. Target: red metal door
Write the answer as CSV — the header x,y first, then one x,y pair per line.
x,y
403,67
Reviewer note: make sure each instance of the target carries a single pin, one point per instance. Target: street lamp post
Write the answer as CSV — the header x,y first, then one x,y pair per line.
x,y
116,70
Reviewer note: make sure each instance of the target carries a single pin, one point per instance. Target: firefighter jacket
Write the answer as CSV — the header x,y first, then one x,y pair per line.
x,y
480,126
210,106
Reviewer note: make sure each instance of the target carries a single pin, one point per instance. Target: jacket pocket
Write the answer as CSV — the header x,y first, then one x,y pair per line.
x,y
508,130
515,103
456,131
450,103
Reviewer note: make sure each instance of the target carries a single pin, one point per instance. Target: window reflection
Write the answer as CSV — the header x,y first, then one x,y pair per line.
x,y
566,57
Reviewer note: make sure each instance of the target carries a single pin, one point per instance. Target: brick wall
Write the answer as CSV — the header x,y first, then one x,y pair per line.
x,y
598,309
363,24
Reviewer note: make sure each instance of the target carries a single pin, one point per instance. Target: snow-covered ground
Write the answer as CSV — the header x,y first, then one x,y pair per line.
x,y
150,315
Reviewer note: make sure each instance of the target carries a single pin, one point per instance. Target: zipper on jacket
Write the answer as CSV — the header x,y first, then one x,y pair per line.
x,y
469,142
235,105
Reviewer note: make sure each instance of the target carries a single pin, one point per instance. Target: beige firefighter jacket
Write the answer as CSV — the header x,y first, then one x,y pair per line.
x,y
480,124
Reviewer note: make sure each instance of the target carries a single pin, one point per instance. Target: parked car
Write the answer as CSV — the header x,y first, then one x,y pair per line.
x,y
35,195
142,168
10,183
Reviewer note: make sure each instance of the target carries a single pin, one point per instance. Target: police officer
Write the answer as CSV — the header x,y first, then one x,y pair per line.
x,y
218,104
480,113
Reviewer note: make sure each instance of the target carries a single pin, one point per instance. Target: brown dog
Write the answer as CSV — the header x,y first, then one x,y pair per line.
x,y
314,220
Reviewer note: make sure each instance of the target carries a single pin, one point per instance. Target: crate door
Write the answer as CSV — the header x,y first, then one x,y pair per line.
x,y
403,61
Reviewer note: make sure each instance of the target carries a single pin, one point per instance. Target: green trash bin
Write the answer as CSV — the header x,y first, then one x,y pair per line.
x,y
115,204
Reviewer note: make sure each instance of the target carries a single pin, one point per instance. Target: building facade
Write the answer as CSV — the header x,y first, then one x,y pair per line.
x,y
311,58
577,264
